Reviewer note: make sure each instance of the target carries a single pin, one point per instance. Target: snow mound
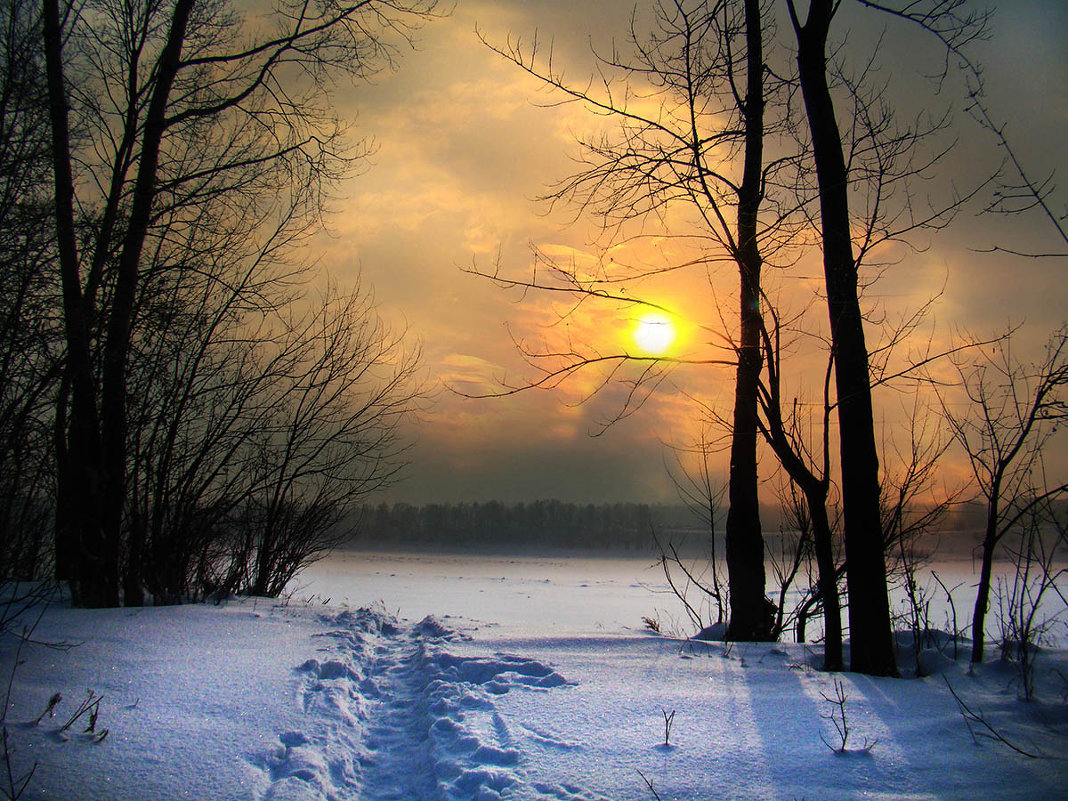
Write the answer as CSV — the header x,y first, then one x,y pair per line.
x,y
717,632
370,620
938,653
499,674
433,629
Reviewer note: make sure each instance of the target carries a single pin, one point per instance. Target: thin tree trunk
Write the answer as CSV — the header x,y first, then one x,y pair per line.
x,y
79,525
751,617
828,579
871,638
117,344
815,492
982,592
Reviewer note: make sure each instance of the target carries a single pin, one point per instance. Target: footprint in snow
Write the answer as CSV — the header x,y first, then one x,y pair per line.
x,y
327,671
548,739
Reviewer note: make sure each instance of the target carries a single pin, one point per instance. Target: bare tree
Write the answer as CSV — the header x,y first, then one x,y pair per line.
x,y
1023,613
833,156
197,379
664,157
154,110
869,610
228,378
808,467
697,489
702,144
29,356
1012,412
331,438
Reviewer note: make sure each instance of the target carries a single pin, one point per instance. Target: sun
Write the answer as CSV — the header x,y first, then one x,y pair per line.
x,y
654,333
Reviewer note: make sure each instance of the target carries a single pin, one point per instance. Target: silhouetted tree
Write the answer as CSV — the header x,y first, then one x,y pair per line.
x,y
30,357
1013,410
869,610
809,471
254,433
705,64
870,624
693,140
330,438
155,110
750,619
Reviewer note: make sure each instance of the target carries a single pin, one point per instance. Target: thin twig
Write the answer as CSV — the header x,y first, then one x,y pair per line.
x,y
649,784
990,732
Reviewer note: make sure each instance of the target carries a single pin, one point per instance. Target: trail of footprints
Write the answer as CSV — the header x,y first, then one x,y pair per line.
x,y
393,716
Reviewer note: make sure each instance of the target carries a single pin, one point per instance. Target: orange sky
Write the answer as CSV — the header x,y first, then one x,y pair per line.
x,y
464,148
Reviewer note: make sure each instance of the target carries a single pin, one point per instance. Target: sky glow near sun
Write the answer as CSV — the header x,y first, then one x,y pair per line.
x,y
465,143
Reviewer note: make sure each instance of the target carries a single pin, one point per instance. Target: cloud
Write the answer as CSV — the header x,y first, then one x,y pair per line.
x,y
466,143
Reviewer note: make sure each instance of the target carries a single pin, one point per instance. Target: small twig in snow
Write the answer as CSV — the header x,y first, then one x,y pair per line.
x,y
50,709
970,716
837,716
649,784
90,705
668,720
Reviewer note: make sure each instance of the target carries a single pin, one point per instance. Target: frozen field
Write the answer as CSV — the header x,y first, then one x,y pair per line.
x,y
464,677
560,593
534,594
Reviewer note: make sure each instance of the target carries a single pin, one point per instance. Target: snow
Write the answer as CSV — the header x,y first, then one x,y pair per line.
x,y
462,677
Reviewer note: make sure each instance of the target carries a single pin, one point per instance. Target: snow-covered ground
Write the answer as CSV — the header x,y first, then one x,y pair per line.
x,y
497,678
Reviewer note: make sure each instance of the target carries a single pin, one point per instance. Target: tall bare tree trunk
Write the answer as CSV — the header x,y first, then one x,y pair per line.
x,y
814,490
870,633
751,617
80,531
117,343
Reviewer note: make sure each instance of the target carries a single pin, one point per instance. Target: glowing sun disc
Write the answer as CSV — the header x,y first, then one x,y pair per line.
x,y
654,334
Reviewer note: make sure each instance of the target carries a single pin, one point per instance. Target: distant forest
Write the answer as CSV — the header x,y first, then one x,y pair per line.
x,y
494,525
538,524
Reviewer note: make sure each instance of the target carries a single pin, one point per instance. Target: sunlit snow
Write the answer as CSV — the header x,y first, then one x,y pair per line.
x,y
466,677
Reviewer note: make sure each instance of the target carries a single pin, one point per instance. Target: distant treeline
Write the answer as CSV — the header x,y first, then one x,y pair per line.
x,y
494,525
538,524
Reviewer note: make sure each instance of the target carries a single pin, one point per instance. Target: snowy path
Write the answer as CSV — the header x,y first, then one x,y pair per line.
x,y
399,764
393,715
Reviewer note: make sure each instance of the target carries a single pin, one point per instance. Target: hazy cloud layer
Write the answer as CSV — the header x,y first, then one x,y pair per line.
x,y
466,144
